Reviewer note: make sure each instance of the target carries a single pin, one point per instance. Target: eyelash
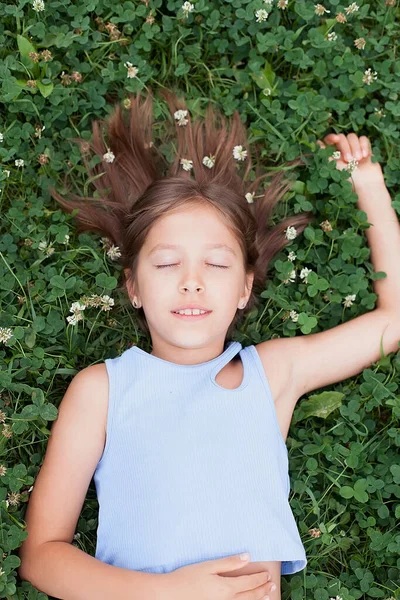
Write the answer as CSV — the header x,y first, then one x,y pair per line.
x,y
218,266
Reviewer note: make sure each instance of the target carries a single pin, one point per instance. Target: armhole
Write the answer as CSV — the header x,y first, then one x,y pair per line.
x,y
110,409
263,377
261,371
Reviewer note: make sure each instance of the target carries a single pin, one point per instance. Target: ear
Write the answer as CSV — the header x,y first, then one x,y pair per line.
x,y
130,287
249,282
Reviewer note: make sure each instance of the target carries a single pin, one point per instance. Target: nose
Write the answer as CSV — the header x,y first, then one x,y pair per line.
x,y
191,287
191,283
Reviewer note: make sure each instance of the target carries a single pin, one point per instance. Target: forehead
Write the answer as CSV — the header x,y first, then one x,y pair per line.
x,y
195,227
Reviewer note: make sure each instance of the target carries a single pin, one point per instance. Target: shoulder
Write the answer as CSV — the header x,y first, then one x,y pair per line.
x,y
95,375
95,379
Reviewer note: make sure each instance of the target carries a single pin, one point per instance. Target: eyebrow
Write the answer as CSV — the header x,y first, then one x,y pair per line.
x,y
175,246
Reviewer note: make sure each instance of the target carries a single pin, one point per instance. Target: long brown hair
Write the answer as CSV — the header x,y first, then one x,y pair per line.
x,y
139,186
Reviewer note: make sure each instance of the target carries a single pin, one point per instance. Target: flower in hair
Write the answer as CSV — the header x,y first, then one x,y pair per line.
x,y
250,197
187,164
290,233
180,117
114,252
209,161
109,156
239,153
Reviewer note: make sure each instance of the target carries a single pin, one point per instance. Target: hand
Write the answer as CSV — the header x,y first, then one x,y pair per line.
x,y
366,172
203,581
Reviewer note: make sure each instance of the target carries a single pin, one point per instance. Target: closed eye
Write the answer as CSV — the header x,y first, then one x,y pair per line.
x,y
218,266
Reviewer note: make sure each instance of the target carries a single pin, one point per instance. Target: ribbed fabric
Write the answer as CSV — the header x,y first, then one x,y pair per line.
x,y
192,471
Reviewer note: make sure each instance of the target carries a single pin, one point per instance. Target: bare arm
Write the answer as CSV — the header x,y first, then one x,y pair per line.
x,y
64,571
48,558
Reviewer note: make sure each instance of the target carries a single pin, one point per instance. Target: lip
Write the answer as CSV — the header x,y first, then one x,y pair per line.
x,y
192,306
191,317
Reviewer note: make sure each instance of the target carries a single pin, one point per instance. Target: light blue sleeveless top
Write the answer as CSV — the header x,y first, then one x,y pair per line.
x,y
192,471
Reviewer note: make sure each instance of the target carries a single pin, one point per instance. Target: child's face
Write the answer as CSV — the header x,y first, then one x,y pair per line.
x,y
191,279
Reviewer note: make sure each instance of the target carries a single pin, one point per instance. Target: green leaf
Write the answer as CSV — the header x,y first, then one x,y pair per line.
x,y
30,338
319,405
45,90
58,281
25,46
346,491
48,412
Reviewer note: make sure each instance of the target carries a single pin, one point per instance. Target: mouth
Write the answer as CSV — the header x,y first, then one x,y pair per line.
x,y
192,317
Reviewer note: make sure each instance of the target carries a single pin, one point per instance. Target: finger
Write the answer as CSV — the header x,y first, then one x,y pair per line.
x,y
355,146
344,147
331,138
320,144
243,583
365,146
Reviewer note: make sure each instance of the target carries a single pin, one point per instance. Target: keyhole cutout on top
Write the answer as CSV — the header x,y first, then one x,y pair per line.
x,y
231,375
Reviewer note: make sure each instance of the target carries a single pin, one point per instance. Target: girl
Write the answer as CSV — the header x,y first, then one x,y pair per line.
x,y
186,443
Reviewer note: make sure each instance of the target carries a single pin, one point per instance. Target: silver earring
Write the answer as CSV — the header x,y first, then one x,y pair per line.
x,y
243,305
134,304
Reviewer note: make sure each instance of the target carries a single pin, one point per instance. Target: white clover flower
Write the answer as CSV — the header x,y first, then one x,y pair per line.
x,y
187,8
332,37
294,316
292,277
209,161
290,233
73,319
360,43
369,77
338,598
1,137
337,154
291,256
66,239
38,5
352,8
42,245
132,71
352,165
304,274
7,172
180,117
5,334
114,252
267,92
77,307
348,301
261,14
46,248
269,2
109,156
379,112
239,153
19,162
250,197
186,164
282,4
320,9
107,303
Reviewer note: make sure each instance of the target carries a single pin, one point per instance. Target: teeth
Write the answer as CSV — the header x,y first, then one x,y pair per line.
x,y
188,311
